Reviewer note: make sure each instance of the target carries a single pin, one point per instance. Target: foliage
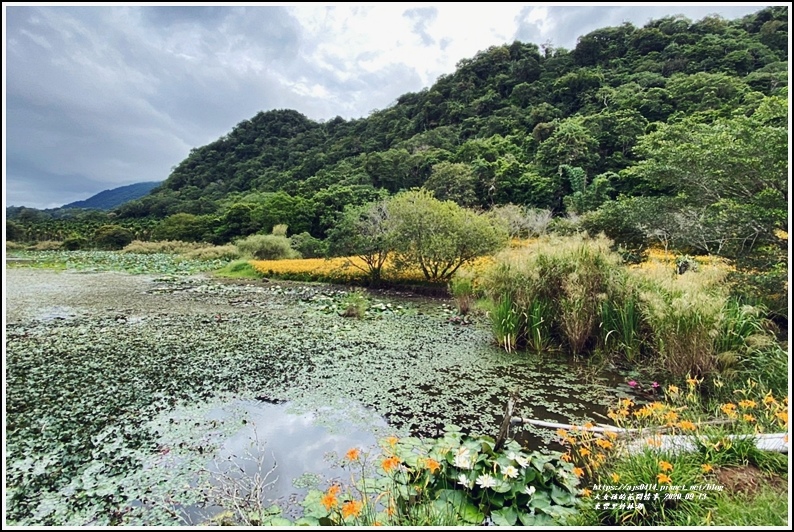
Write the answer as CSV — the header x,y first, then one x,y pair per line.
x,y
308,246
439,237
667,481
239,269
366,231
563,280
112,237
266,247
355,305
455,479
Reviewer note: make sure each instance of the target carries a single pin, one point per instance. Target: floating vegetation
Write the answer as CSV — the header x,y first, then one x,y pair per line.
x,y
80,390
113,261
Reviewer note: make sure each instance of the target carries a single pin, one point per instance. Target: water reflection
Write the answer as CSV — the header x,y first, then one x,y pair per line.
x,y
260,443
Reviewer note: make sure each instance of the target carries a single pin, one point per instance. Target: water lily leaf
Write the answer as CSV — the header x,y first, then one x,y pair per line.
x,y
504,517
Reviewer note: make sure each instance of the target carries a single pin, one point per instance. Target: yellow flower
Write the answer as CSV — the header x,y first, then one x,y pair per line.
x,y
566,457
615,477
392,440
747,403
673,389
604,444
329,500
671,416
432,465
769,399
625,403
611,435
351,508
706,468
588,425
729,409
578,471
562,433
691,382
748,418
586,492
353,454
335,490
782,416
665,466
687,425
390,463
664,479
584,451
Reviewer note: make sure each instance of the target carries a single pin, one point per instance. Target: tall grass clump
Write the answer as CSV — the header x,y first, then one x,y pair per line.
x,y
227,252
161,246
267,247
684,314
461,286
558,284
621,326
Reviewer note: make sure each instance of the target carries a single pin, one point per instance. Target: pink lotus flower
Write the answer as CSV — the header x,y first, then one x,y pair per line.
x,y
655,384
632,383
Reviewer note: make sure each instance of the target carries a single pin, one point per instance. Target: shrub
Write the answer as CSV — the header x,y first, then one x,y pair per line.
x,y
279,230
439,237
112,237
14,246
308,246
267,247
74,243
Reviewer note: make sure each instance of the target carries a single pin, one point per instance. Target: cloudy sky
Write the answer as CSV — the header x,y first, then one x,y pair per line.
x,y
100,97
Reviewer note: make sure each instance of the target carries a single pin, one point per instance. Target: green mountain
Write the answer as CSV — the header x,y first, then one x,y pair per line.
x,y
112,198
501,126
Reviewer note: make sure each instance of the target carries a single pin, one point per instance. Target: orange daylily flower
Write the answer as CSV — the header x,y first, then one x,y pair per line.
x,y
706,468
578,471
615,477
351,508
687,425
329,500
664,479
390,463
665,466
432,465
353,454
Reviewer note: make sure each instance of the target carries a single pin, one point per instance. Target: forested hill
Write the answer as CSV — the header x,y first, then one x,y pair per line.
x,y
495,130
112,198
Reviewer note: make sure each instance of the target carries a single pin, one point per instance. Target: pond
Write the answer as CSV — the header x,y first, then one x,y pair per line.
x,y
94,360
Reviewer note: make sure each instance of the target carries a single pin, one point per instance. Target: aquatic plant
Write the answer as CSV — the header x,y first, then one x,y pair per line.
x,y
450,480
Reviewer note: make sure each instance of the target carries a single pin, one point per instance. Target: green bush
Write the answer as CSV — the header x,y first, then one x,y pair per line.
x,y
74,243
112,237
267,247
308,246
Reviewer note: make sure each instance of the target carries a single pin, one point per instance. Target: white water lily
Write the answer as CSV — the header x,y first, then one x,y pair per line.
x,y
463,481
510,471
486,481
520,459
462,459
530,490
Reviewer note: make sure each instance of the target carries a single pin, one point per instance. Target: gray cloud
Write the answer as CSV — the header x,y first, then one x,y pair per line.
x,y
421,17
99,97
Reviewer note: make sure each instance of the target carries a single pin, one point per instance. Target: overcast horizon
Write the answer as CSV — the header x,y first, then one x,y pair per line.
x,y
101,97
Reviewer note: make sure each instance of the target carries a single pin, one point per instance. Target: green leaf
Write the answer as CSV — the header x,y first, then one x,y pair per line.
x,y
561,497
307,521
470,513
504,517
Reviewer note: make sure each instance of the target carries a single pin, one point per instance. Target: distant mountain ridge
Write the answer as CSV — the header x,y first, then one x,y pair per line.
x,y
112,198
